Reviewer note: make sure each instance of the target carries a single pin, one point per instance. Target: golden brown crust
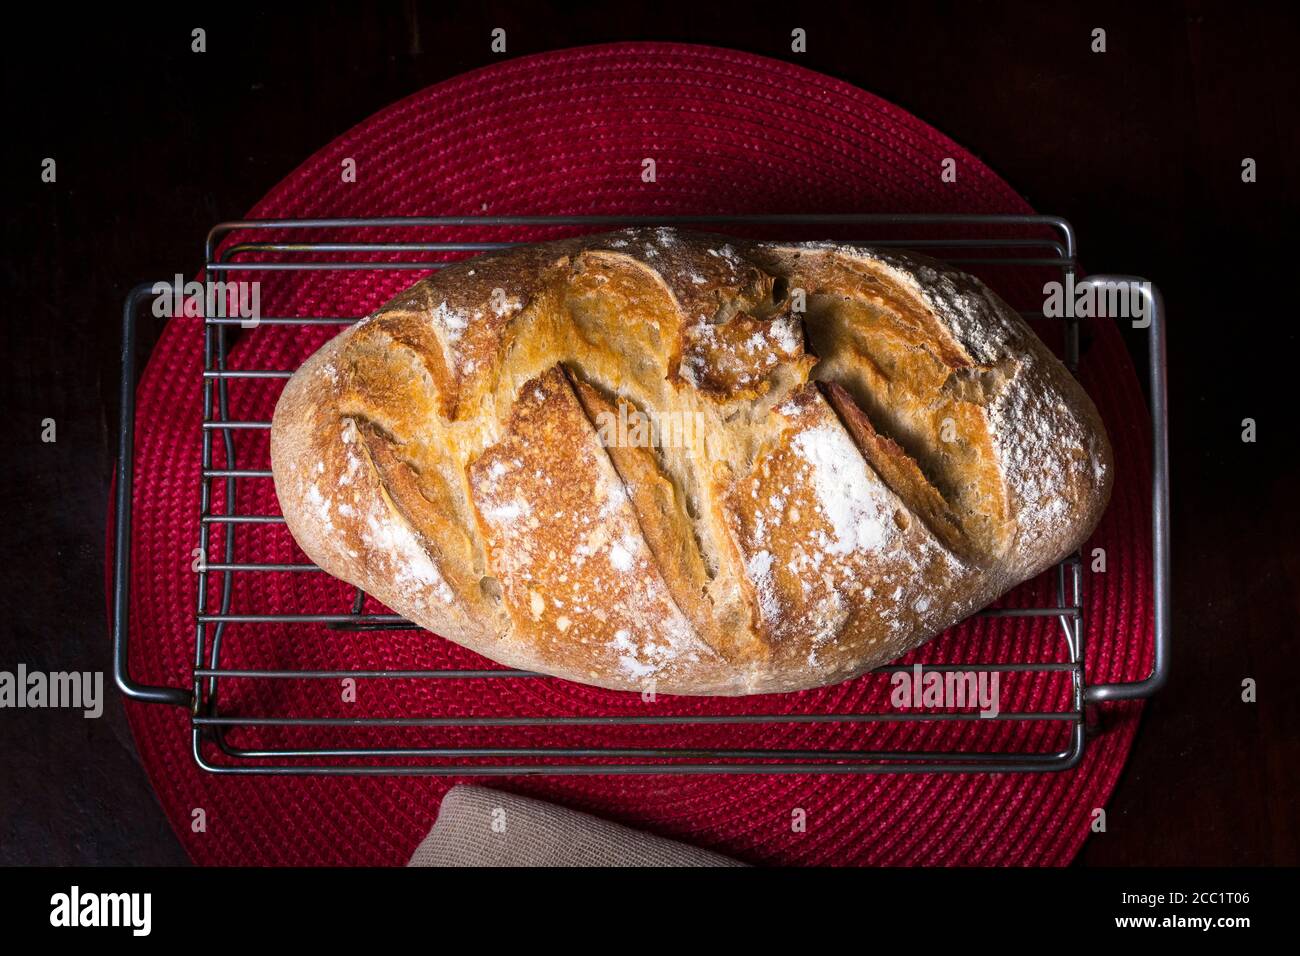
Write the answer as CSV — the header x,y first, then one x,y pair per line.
x,y
659,460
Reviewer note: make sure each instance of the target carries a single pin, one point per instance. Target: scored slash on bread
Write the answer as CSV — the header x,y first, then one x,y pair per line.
x,y
879,447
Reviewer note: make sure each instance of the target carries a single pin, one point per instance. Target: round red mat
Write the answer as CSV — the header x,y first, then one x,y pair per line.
x,y
566,132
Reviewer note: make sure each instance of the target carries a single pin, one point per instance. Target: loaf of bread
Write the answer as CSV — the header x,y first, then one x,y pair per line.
x,y
661,460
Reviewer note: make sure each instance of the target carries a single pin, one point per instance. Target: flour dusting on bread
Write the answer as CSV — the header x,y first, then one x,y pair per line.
x,y
846,493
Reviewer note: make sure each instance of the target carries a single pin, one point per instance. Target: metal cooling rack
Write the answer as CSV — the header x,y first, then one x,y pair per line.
x,y
983,244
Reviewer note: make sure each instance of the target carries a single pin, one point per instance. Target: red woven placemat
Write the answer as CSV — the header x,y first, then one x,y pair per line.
x,y
566,132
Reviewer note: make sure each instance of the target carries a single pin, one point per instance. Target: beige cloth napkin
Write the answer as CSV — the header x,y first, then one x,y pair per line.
x,y
481,827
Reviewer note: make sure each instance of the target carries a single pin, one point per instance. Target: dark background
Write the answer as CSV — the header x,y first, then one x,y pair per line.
x,y
1140,147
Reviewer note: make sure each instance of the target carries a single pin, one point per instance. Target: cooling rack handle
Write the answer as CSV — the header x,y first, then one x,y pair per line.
x,y
1153,322
133,689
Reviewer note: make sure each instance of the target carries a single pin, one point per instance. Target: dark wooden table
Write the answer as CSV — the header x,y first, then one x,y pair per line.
x,y
1141,147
